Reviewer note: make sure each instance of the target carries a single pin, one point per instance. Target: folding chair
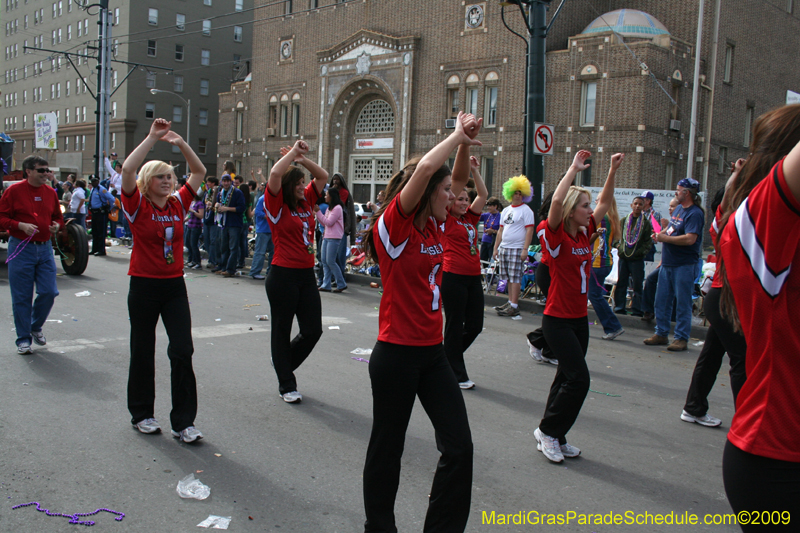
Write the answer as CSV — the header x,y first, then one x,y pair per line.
x,y
489,275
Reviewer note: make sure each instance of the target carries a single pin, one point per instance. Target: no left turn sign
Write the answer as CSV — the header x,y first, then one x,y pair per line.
x,y
543,139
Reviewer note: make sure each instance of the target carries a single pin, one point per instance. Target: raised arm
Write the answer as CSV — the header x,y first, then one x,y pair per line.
x,y
557,204
319,174
607,194
197,170
295,153
460,175
791,171
480,187
158,129
433,160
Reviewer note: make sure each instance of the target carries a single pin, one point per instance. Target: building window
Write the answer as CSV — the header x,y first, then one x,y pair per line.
x,y
58,90
272,119
728,74
490,107
723,159
178,52
83,114
669,174
69,32
114,79
206,27
201,146
152,17
150,80
116,16
588,101
205,57
203,87
207,2
113,140
151,48
487,172
149,110
748,124
239,125
789,6
180,21
177,85
66,116
295,119
472,101
83,142
237,34
177,114
376,117
284,121
66,144
203,117
287,10
113,110
239,5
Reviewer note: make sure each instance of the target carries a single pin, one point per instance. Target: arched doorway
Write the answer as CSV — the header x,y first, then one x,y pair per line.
x,y
371,151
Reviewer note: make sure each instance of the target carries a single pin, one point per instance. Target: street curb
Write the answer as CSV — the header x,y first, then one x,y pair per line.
x,y
525,304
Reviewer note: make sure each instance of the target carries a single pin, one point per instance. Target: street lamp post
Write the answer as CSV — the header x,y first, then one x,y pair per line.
x,y
188,112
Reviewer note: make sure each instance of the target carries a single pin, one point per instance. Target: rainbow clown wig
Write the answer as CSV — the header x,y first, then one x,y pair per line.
x,y
518,183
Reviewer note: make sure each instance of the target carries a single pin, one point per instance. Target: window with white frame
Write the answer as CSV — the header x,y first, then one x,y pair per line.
x,y
83,142
205,57
203,87
239,124
288,8
66,115
180,21
177,84
83,114
66,88
152,16
177,114
239,5
453,100
237,34
295,119
588,103
113,110
203,117
490,107
284,121
472,100
150,80
116,16
149,110
114,79
113,141
206,27
69,32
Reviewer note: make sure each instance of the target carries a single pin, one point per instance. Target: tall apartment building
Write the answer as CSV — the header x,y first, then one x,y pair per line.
x,y
201,46
370,83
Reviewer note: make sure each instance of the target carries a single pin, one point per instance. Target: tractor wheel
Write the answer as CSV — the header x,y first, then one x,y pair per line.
x,y
75,250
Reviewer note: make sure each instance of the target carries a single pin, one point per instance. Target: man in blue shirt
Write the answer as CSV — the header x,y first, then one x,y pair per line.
x,y
230,206
679,257
264,244
100,203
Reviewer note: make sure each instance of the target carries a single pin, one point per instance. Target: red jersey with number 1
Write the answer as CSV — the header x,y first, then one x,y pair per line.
x,y
292,231
570,271
761,249
460,240
411,271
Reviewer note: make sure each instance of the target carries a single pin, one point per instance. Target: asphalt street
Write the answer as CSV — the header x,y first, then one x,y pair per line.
x,y
66,440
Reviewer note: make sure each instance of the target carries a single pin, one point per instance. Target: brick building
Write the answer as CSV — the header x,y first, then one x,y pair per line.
x,y
369,84
201,45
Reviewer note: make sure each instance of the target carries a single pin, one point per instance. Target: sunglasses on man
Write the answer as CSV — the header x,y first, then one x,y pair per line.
x,y
43,170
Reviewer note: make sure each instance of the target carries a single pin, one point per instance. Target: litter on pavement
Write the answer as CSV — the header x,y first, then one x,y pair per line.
x,y
216,522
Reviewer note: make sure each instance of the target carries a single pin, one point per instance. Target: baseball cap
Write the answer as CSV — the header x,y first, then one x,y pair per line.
x,y
689,183
647,195
225,177
114,154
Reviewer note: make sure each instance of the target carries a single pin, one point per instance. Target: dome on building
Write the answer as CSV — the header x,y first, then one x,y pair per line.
x,y
628,23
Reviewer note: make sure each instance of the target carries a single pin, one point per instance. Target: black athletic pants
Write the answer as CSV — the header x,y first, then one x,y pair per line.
x,y
462,297
99,229
536,337
763,488
149,299
399,374
293,292
720,338
569,340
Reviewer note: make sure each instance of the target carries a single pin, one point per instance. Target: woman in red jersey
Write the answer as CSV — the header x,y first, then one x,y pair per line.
x,y
409,359
155,213
760,271
462,291
291,285
564,323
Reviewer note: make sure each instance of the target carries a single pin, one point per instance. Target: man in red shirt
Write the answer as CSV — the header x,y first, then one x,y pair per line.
x,y
30,211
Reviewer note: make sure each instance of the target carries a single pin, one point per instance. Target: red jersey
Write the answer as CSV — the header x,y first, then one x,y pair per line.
x,y
157,231
411,271
761,247
540,233
22,202
292,231
461,245
716,283
570,268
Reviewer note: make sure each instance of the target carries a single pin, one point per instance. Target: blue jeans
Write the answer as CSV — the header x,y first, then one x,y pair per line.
x,y
193,239
34,265
264,245
675,283
330,264
649,292
229,248
211,240
341,254
599,304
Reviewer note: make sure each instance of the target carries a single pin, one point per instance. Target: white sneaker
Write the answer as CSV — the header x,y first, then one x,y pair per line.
x,y
38,338
705,420
549,361
292,397
549,446
24,348
567,450
536,353
189,434
148,425
469,384
613,335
